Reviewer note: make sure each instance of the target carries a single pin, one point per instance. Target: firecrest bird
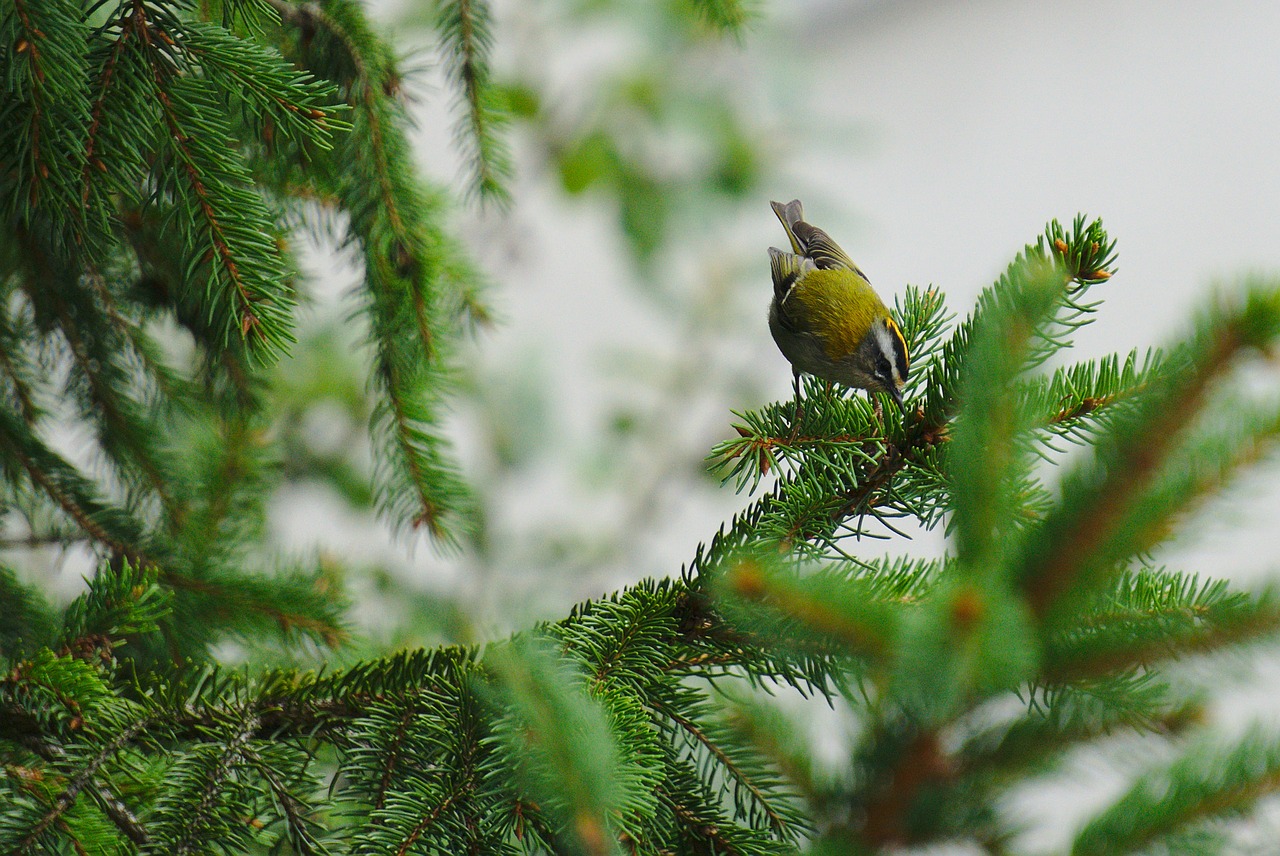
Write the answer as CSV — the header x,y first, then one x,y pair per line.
x,y
826,318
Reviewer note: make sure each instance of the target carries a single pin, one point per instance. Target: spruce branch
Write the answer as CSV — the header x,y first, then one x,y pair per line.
x,y
242,263
1183,622
290,604
1060,716
297,813
837,609
39,145
84,778
72,493
199,796
464,27
17,365
105,77
1079,545
757,789
1210,780
271,96
127,429
983,455
410,269
122,601
568,755
700,822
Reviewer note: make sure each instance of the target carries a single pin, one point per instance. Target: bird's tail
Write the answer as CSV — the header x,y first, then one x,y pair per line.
x,y
789,215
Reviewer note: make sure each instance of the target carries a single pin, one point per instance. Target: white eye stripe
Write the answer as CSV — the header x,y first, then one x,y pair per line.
x,y
888,344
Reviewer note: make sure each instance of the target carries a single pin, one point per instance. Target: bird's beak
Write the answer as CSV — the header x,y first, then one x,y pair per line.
x,y
896,394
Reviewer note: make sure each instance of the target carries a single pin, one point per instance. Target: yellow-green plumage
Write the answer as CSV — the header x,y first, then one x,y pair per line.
x,y
839,306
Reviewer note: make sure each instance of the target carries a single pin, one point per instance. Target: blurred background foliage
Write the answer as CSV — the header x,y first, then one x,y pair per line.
x,y
629,113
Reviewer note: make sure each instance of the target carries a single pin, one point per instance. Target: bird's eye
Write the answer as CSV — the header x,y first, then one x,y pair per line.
x,y
882,368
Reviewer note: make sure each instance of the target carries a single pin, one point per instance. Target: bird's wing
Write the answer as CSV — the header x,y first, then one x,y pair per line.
x,y
786,268
810,241
826,253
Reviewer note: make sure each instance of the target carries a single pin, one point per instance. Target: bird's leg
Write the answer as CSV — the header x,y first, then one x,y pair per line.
x,y
799,411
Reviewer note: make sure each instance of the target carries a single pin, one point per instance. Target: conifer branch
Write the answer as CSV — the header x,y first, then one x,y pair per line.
x,y
294,809
105,78
762,799
424,824
1208,781
246,288
391,756
260,602
368,89
69,491
121,815
218,238
730,16
195,794
920,764
407,260
702,825
118,428
1073,547
47,46
831,609
1152,635
464,29
124,432
21,390
83,779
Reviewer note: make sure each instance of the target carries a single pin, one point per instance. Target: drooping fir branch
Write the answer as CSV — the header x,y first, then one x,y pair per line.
x,y
28,458
224,225
465,31
155,147
45,111
17,366
412,292
173,119
105,378
727,16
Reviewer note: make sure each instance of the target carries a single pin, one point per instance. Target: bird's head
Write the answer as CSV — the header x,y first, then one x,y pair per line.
x,y
884,357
